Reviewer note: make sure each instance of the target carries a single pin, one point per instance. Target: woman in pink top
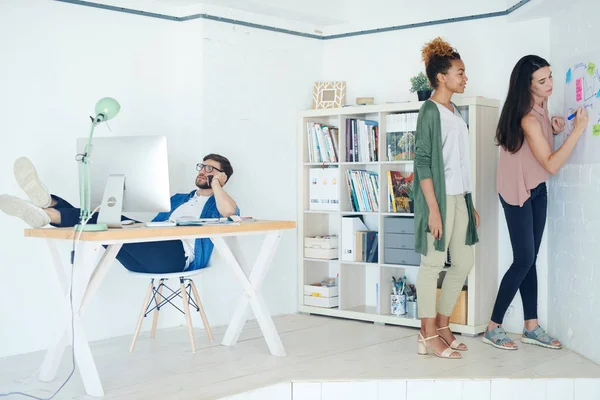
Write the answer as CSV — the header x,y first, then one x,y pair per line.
x,y
524,135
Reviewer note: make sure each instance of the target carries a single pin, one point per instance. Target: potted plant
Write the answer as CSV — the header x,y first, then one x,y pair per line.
x,y
420,84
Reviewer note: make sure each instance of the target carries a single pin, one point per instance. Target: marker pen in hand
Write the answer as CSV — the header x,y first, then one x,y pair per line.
x,y
573,115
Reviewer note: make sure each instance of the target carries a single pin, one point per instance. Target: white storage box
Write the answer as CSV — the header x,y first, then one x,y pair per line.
x,y
318,290
325,302
317,295
324,254
323,189
321,242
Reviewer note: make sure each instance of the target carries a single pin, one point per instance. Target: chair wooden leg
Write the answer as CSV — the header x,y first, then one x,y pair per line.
x,y
141,318
188,317
158,299
201,309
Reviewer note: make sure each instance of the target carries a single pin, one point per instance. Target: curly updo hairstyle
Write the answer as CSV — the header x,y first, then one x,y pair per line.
x,y
437,56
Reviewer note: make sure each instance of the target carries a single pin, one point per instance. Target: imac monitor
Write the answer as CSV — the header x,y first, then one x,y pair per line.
x,y
128,174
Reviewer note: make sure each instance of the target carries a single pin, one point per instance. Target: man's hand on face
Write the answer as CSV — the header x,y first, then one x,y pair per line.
x,y
218,179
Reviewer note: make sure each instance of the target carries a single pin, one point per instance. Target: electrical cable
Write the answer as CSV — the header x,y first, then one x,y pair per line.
x,y
76,240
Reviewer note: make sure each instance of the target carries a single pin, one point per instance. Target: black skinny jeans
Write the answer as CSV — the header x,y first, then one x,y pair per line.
x,y
525,227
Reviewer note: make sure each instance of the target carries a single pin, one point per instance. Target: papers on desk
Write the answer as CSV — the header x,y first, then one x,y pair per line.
x,y
159,224
192,221
188,221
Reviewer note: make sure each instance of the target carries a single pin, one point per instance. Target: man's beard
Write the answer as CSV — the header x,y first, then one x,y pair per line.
x,y
204,185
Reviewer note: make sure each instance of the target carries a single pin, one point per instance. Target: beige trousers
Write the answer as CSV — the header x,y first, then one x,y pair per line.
x,y
461,257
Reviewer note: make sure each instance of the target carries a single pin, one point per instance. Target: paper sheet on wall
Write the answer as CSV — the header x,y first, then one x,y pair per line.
x,y
582,89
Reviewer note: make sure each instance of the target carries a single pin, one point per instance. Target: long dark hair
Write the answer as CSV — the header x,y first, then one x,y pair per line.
x,y
509,133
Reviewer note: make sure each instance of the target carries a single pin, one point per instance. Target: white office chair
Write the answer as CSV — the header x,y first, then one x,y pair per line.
x,y
155,300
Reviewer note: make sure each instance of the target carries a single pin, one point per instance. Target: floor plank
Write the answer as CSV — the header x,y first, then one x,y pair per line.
x,y
319,348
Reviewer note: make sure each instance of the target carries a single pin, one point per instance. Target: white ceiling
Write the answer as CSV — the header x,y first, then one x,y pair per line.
x,y
323,15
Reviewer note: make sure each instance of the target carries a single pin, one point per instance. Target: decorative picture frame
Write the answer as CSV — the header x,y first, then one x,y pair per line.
x,y
329,94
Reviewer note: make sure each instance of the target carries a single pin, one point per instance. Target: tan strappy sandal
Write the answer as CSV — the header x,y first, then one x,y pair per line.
x,y
424,349
455,345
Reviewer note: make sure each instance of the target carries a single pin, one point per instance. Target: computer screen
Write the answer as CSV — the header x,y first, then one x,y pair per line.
x,y
137,167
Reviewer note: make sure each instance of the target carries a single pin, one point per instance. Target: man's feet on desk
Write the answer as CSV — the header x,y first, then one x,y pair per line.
x,y
33,215
29,181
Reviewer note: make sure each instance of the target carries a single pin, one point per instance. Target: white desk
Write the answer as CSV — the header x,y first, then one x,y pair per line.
x,y
88,275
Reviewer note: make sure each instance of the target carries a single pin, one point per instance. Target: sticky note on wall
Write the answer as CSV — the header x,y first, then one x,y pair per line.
x,y
579,89
596,130
591,68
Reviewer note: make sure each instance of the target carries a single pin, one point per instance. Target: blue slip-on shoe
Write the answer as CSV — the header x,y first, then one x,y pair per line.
x,y
539,337
497,337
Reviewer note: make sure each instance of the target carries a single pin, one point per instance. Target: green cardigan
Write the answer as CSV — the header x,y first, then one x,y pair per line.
x,y
429,163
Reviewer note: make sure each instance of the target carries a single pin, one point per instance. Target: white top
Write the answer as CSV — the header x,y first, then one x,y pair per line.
x,y
191,209
455,149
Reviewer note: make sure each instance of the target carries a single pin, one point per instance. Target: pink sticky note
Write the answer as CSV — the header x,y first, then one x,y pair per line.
x,y
579,89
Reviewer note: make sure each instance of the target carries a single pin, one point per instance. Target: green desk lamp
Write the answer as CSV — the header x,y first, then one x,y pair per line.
x,y
106,108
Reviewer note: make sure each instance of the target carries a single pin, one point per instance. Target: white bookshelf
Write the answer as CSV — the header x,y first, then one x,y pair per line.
x,y
359,299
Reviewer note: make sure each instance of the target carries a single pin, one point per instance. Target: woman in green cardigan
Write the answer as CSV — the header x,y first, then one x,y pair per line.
x,y
444,213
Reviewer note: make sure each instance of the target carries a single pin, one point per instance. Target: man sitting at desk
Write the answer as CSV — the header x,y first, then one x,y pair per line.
x,y
208,201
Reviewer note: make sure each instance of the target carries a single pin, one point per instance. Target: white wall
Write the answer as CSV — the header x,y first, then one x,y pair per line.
x,y
380,66
359,15
218,88
574,214
254,84
59,59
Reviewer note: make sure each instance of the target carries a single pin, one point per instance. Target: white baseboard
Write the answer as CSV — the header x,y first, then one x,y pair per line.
x,y
419,389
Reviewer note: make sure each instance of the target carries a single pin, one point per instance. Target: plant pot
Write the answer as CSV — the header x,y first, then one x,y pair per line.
x,y
411,205
423,94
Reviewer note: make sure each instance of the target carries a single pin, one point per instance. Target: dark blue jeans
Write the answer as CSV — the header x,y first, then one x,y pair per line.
x,y
151,257
525,227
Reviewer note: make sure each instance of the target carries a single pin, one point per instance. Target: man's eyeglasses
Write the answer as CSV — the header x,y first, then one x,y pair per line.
x,y
207,168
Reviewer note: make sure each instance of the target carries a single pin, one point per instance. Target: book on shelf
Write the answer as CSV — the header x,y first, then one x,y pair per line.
x,y
322,142
362,140
400,189
400,146
363,187
400,136
366,246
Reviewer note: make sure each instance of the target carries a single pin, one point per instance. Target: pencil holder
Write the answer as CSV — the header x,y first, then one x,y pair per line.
x,y
411,309
398,302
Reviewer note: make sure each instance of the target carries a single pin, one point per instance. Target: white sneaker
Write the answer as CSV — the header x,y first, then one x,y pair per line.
x,y
33,215
28,180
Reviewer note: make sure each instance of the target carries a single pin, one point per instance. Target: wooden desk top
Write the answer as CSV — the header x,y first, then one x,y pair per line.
x,y
142,233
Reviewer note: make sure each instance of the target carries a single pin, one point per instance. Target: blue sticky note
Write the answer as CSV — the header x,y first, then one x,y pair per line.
x,y
569,75
598,94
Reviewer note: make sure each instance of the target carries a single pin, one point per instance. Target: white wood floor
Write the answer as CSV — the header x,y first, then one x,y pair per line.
x,y
319,349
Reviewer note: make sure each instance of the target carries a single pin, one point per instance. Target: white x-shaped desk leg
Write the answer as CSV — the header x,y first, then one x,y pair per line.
x,y
86,271
252,293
